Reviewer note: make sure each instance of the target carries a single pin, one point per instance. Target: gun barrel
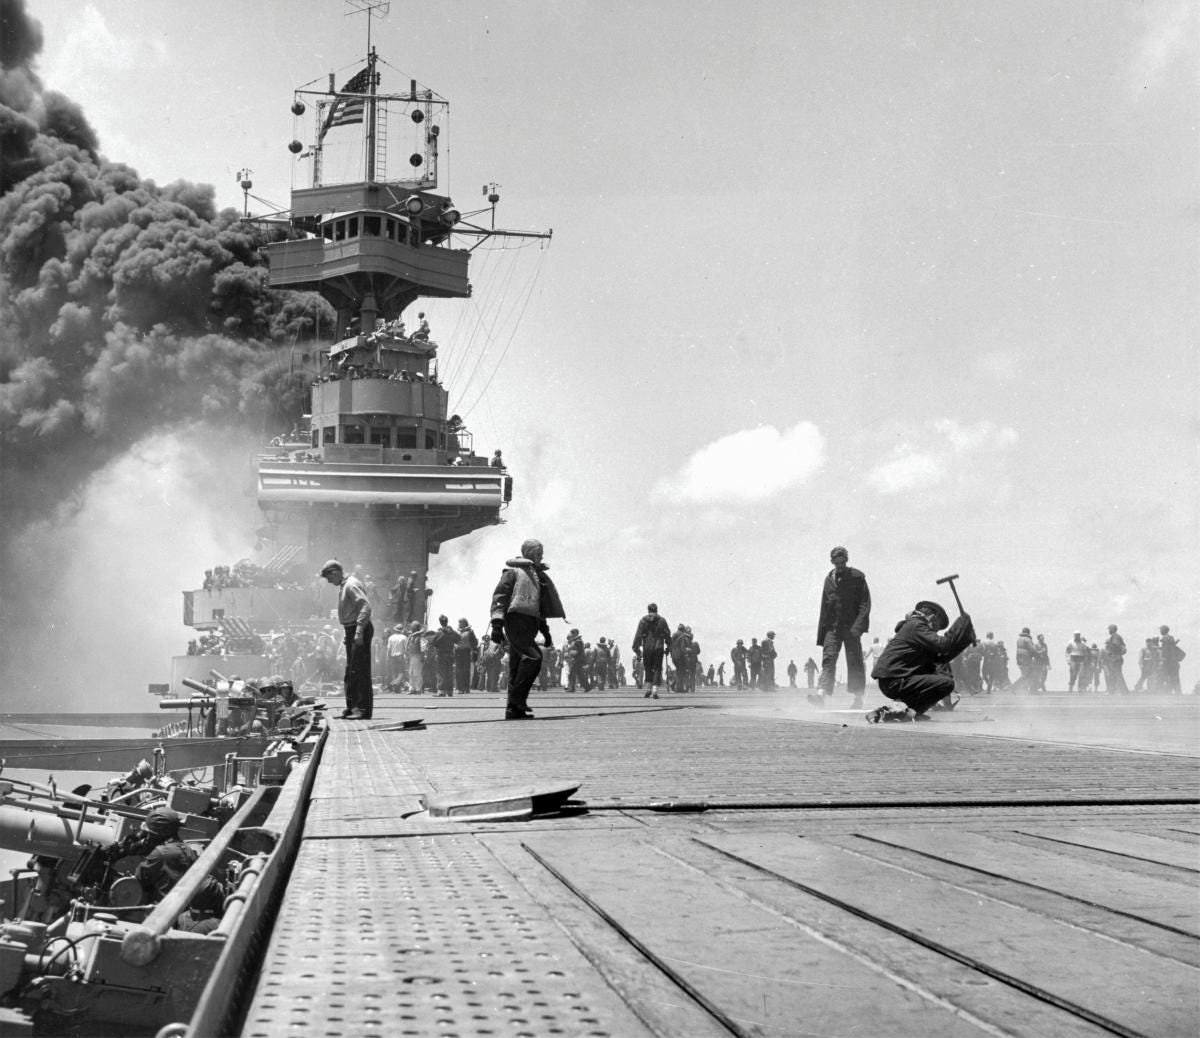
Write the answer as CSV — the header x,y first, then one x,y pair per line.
x,y
44,833
195,686
185,704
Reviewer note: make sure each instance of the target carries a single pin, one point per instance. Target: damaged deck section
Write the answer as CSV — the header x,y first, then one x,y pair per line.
x,y
811,879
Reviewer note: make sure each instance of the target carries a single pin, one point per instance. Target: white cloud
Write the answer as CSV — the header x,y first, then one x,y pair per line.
x,y
963,438
908,468
750,465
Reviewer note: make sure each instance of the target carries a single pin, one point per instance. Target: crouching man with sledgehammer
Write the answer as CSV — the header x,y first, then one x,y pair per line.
x,y
914,667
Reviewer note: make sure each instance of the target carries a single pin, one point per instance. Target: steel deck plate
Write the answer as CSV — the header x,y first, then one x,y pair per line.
x,y
420,937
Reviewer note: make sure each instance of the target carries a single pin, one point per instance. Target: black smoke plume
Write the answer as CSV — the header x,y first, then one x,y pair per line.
x,y
125,308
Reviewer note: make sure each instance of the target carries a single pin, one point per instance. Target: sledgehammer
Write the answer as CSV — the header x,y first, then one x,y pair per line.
x,y
950,580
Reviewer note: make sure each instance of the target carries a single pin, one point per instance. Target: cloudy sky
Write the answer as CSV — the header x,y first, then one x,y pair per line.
x,y
918,278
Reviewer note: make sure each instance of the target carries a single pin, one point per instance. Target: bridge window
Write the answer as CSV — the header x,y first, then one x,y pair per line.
x,y
352,229
406,439
371,226
329,434
381,435
430,440
391,229
353,434
316,438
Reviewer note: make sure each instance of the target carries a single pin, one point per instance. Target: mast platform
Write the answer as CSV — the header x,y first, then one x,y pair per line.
x,y
748,865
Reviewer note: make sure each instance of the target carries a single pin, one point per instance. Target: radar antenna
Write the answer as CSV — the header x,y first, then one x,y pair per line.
x,y
372,9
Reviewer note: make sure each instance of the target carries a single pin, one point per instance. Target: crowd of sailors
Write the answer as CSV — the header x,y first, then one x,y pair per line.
x,y
444,660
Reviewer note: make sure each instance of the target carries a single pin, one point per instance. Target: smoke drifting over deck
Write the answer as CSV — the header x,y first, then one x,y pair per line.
x,y
126,310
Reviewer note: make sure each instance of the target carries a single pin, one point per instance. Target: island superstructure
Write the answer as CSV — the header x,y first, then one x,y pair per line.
x,y
384,474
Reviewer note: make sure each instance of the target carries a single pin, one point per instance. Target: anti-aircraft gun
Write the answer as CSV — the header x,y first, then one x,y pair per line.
x,y
81,941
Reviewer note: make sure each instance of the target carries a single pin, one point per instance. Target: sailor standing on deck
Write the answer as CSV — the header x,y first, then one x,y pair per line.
x,y
354,614
524,599
845,617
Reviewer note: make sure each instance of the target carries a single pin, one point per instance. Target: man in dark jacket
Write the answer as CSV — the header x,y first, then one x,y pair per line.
x,y
679,657
650,641
914,668
845,618
465,651
167,859
738,655
445,640
575,654
524,599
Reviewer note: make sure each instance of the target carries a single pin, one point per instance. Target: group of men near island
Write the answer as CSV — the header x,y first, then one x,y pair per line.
x,y
913,670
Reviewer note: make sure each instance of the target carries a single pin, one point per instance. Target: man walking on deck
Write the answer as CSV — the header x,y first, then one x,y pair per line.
x,y
845,617
524,599
650,641
354,614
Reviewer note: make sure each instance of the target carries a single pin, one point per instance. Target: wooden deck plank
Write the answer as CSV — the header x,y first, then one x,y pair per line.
x,y
1046,957
1157,849
1157,901
761,972
1012,1011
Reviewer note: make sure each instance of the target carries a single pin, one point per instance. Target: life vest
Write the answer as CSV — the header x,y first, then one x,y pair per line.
x,y
527,592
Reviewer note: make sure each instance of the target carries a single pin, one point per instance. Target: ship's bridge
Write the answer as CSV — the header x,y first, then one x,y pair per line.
x,y
395,251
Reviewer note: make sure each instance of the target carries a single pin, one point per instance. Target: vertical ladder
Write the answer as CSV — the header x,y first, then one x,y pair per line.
x,y
381,142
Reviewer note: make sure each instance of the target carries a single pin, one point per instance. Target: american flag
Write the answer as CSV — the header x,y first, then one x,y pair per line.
x,y
347,110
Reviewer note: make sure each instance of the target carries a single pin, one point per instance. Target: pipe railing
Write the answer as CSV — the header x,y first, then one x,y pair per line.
x,y
142,944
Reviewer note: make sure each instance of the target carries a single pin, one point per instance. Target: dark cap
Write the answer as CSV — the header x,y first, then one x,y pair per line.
x,y
837,552
162,821
940,619
331,565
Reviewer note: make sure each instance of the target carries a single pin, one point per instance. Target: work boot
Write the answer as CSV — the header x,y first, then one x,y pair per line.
x,y
649,693
514,715
816,700
655,696
355,715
